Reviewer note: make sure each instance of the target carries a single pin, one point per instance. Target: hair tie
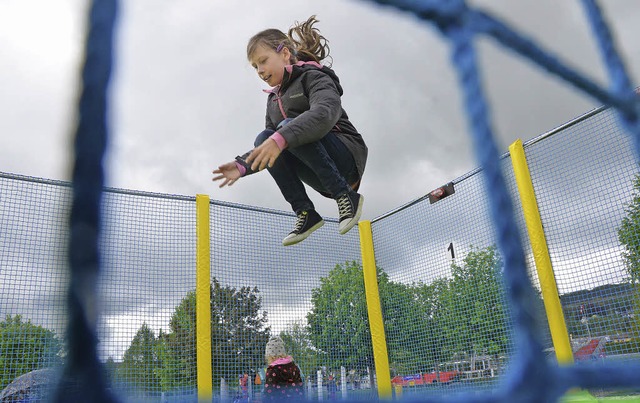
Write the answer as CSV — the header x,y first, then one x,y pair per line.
x,y
293,51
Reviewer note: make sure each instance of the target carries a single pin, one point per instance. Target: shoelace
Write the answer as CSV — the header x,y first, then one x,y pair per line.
x,y
344,206
300,223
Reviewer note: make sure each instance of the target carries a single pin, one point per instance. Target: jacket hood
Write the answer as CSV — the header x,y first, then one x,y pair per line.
x,y
295,70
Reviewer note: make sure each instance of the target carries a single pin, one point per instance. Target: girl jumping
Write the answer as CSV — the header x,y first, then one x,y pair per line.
x,y
308,137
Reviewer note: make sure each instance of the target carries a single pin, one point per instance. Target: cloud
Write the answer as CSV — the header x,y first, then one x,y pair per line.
x,y
576,272
40,46
117,331
184,98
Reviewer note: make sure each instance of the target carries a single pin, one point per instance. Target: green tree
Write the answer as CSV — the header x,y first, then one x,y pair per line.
x,y
239,331
25,347
238,335
338,323
297,341
339,326
140,361
180,344
168,363
473,317
409,325
629,237
111,371
437,347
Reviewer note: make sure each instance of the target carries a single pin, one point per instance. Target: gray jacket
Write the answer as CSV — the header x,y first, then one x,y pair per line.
x,y
310,93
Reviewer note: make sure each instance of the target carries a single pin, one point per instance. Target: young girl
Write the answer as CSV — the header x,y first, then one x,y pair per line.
x,y
283,380
308,136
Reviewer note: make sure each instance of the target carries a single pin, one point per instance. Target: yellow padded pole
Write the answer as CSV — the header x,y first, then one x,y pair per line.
x,y
374,309
555,317
203,299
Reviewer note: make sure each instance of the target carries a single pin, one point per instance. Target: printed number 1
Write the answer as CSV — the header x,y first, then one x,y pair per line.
x,y
450,249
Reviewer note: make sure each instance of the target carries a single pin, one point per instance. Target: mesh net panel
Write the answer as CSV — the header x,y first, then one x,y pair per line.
x,y
446,320
33,276
584,179
443,301
310,294
148,262
584,176
147,331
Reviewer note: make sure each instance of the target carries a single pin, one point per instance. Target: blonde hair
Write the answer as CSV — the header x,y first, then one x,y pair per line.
x,y
303,40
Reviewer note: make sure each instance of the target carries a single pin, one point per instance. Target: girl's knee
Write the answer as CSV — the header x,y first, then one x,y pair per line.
x,y
262,136
284,123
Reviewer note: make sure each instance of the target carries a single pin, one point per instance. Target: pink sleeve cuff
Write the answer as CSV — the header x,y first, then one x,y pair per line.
x,y
242,169
280,141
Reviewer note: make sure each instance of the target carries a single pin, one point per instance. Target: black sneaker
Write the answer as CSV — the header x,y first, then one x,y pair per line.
x,y
307,222
349,211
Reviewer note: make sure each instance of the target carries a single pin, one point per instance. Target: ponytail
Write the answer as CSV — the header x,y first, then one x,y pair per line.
x,y
309,44
303,40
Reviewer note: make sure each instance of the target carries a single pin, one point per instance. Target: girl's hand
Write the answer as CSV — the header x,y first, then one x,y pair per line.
x,y
228,172
264,155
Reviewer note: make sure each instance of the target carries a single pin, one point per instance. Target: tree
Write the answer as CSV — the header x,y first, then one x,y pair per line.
x,y
140,361
169,361
238,335
338,323
473,317
339,326
25,347
111,371
297,341
168,364
180,344
629,235
409,325
436,347
239,331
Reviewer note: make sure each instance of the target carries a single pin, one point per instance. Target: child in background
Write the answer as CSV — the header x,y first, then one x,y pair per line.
x,y
308,136
243,384
332,387
283,380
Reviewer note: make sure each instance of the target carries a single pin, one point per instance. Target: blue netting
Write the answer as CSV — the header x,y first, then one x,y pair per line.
x,y
83,378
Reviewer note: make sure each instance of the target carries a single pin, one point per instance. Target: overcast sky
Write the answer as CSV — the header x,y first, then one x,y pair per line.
x,y
184,99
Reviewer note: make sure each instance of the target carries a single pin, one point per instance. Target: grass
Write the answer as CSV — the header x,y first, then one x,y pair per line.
x,y
584,396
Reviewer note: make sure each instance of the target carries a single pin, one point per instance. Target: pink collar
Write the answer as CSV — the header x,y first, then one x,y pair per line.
x,y
272,90
289,67
281,361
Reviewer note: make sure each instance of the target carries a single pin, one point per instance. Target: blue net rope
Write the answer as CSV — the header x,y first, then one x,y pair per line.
x,y
531,377
83,379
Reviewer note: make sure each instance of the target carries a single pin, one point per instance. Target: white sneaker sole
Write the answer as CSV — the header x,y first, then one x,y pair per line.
x,y
345,226
293,239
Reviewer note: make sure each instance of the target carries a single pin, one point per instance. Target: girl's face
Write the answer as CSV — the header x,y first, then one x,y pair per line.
x,y
269,64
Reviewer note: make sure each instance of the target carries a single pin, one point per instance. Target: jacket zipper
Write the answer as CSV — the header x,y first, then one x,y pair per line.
x,y
284,115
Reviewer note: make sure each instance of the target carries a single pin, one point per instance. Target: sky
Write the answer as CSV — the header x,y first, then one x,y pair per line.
x,y
183,98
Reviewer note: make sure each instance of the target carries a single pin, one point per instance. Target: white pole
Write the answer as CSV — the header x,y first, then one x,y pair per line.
x,y
343,382
224,390
320,385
